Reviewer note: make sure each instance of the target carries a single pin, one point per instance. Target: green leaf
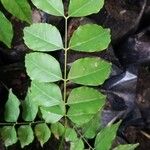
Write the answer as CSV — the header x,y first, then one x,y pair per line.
x,y
8,135
25,135
84,103
80,8
12,110
89,71
40,94
52,7
42,37
105,137
52,114
57,129
90,38
95,124
42,67
6,30
70,135
126,147
45,94
77,145
30,108
19,8
42,133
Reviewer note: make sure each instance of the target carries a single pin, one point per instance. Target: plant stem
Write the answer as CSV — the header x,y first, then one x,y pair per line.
x,y
65,59
20,123
65,80
65,67
82,137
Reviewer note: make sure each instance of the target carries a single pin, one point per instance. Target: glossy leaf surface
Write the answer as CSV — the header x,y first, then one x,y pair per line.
x,y
45,94
89,71
42,37
52,7
42,67
80,8
90,38
84,103
40,94
52,114
105,137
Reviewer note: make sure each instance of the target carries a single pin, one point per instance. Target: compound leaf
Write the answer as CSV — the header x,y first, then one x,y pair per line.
x,y
106,136
84,103
42,133
12,110
42,67
19,8
90,38
80,8
89,71
9,135
42,37
126,147
25,135
6,30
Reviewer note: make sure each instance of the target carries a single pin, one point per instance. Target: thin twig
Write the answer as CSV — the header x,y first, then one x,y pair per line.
x,y
65,79
146,134
20,123
82,136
